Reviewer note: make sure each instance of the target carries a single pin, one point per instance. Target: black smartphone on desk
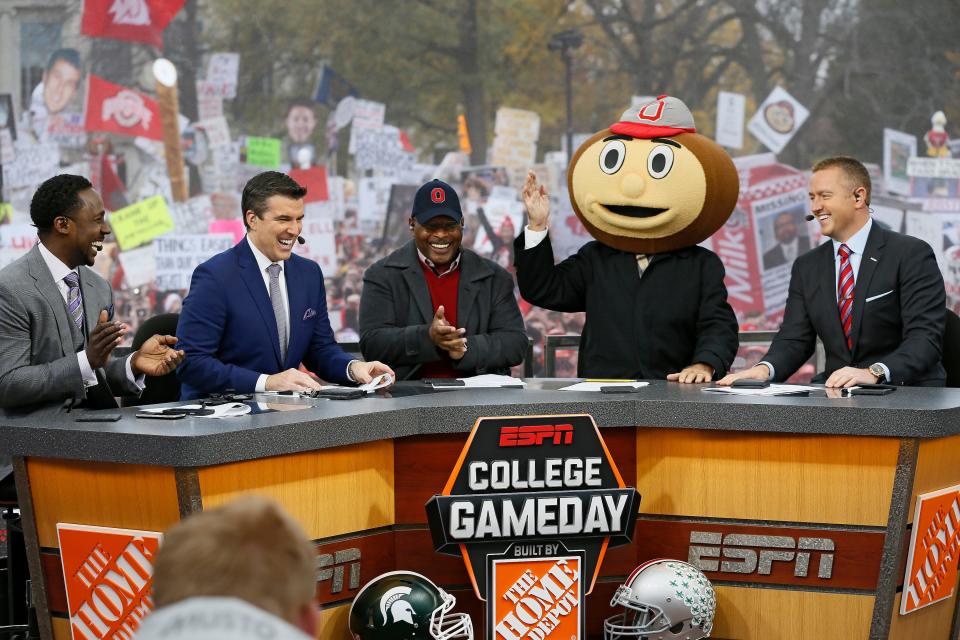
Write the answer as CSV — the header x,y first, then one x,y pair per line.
x,y
340,393
444,382
870,390
747,383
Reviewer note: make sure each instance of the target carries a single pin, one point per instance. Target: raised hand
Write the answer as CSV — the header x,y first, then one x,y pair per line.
x,y
103,340
536,201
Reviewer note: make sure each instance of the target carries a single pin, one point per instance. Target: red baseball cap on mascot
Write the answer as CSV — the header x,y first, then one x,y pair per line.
x,y
664,117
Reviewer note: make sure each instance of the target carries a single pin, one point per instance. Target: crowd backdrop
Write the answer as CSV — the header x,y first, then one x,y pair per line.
x,y
363,101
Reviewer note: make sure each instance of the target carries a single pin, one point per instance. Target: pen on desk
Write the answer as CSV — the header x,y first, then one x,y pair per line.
x,y
608,380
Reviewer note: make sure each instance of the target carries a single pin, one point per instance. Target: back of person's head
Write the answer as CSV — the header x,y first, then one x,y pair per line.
x,y
58,196
248,549
263,186
853,170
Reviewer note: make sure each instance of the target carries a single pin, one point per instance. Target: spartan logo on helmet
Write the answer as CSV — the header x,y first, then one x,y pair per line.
x,y
393,605
406,605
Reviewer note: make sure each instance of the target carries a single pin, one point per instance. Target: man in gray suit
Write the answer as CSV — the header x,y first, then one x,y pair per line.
x,y
432,309
56,327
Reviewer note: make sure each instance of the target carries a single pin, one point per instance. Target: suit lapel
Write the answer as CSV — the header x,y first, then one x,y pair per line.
x,y
828,285
91,314
472,270
296,302
250,274
417,283
48,289
868,266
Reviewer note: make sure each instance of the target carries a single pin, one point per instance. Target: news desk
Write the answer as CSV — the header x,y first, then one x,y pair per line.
x,y
822,490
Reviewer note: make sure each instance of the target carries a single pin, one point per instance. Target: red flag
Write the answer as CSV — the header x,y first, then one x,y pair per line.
x,y
115,109
133,20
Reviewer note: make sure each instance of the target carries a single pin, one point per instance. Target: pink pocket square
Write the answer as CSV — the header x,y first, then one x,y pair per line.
x,y
309,313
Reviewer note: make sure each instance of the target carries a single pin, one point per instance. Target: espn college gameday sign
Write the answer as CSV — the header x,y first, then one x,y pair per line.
x,y
532,505
108,574
931,568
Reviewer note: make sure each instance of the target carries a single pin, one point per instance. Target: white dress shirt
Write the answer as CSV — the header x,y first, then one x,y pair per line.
x,y
58,270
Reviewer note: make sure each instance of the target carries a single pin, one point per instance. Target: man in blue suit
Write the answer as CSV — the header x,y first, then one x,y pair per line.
x,y
256,311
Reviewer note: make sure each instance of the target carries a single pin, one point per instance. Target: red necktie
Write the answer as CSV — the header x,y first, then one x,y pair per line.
x,y
845,293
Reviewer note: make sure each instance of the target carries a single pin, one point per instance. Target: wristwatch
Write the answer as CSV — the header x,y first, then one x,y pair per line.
x,y
877,369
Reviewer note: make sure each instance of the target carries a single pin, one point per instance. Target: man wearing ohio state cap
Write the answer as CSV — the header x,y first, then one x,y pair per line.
x,y
432,309
649,189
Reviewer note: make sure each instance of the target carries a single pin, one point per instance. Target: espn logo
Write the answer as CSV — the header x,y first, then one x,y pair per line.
x,y
533,435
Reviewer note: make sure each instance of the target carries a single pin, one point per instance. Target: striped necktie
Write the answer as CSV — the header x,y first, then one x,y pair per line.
x,y
276,299
74,299
845,293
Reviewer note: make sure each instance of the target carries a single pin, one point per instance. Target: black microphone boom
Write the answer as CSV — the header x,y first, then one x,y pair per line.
x,y
809,217
300,240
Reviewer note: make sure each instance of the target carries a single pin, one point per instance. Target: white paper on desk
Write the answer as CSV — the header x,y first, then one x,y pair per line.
x,y
772,390
489,381
379,382
226,410
596,386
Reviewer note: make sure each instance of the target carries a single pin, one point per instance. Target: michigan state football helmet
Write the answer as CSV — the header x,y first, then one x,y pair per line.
x,y
663,599
403,605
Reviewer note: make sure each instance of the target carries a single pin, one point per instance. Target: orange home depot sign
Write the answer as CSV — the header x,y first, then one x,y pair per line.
x,y
108,574
536,599
931,572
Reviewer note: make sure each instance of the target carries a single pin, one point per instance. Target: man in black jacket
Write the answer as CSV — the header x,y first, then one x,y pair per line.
x,y
664,316
874,297
433,309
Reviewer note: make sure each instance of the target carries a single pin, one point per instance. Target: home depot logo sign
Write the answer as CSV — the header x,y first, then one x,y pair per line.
x,y
108,575
537,599
934,547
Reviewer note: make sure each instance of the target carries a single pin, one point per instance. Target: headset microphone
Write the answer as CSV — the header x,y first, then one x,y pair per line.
x,y
300,240
809,217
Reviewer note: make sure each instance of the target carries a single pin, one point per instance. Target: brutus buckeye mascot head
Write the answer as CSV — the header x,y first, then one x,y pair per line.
x,y
650,183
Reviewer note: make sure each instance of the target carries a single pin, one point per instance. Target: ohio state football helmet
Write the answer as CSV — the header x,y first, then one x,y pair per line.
x,y
663,599
406,605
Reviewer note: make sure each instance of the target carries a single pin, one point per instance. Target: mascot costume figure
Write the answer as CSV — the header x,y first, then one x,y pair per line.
x,y
649,189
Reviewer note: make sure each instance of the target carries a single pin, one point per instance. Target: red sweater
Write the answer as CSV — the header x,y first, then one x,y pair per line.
x,y
443,291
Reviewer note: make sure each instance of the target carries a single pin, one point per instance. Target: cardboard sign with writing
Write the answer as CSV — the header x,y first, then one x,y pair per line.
x,y
222,73
108,574
263,152
141,222
730,110
777,120
179,255
931,571
139,265
32,164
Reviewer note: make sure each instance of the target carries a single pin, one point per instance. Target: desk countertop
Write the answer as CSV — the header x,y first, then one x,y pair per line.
x,y
407,410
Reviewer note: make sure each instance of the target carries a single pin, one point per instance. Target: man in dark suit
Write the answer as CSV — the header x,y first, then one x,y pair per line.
x,y
874,297
256,311
789,245
56,314
668,318
434,309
